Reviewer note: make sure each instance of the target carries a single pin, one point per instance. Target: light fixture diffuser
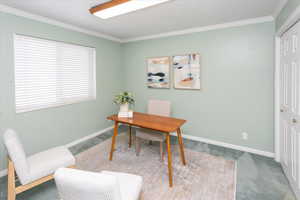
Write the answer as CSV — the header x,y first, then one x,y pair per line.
x,y
119,7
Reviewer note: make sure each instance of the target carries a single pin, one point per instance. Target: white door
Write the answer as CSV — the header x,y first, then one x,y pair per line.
x,y
289,105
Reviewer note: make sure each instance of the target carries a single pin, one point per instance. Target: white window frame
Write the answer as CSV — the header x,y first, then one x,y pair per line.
x,y
54,105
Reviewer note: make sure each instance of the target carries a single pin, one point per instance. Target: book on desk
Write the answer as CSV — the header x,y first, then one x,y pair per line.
x,y
128,114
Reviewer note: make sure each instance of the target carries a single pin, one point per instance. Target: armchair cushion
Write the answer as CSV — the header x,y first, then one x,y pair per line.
x,y
17,155
159,107
130,185
46,162
73,184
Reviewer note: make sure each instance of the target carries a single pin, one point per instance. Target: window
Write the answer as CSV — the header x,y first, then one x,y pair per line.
x,y
50,73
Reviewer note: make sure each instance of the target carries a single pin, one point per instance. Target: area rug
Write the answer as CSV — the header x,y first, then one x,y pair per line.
x,y
205,177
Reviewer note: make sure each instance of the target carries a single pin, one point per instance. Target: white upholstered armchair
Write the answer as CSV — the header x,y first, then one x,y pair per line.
x,y
35,169
73,184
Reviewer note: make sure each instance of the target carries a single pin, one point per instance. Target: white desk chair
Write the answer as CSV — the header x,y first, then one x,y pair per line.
x,y
35,169
155,107
76,184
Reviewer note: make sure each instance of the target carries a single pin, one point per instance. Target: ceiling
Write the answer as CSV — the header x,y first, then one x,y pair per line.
x,y
171,16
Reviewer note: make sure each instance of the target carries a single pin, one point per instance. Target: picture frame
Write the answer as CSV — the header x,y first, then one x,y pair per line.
x,y
158,72
187,71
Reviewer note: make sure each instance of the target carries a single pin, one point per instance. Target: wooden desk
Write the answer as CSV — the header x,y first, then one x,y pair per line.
x,y
159,123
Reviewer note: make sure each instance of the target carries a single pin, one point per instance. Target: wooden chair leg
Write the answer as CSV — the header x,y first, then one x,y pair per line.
x,y
12,190
137,146
161,148
130,137
11,186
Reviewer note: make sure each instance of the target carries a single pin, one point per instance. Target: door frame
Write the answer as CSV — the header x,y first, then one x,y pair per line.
x,y
292,19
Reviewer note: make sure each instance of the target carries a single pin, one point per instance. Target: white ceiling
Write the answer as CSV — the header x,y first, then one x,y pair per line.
x,y
172,16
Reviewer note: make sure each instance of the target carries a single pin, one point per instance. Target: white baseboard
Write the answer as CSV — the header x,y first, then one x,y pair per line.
x,y
227,145
190,137
89,137
292,184
4,172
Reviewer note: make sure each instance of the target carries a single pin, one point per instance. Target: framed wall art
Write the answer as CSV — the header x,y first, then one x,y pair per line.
x,y
186,71
158,72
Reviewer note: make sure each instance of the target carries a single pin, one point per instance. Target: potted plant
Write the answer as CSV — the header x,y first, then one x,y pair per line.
x,y
124,99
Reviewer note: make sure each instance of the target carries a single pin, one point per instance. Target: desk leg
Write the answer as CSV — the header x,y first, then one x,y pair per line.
x,y
113,141
169,160
181,147
130,137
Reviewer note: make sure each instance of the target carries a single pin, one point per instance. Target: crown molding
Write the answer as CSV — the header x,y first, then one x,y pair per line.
x,y
203,29
291,20
17,12
279,7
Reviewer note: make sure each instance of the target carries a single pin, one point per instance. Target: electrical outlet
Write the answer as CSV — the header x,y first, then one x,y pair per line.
x,y
245,136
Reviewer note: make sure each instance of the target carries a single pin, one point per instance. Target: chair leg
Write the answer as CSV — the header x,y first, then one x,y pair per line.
x,y
137,146
12,190
161,148
11,186
130,137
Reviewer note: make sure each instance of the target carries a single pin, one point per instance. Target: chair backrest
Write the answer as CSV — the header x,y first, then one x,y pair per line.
x,y
73,184
159,107
16,154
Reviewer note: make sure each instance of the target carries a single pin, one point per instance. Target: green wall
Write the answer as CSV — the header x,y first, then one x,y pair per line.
x,y
40,130
236,94
237,83
286,12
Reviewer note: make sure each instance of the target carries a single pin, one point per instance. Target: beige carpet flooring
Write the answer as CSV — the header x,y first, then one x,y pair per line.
x,y
205,177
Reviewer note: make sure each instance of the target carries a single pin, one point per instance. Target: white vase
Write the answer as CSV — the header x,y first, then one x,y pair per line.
x,y
124,107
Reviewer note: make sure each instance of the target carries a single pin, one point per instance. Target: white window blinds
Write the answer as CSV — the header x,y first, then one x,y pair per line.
x,y
50,73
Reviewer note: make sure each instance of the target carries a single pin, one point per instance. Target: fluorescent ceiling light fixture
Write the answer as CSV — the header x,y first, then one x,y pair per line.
x,y
119,7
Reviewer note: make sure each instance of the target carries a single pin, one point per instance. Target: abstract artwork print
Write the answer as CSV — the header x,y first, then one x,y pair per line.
x,y
186,71
158,75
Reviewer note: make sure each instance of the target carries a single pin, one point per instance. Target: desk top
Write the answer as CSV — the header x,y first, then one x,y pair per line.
x,y
155,122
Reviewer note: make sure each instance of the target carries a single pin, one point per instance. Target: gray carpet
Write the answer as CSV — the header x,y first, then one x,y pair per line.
x,y
205,177
258,177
